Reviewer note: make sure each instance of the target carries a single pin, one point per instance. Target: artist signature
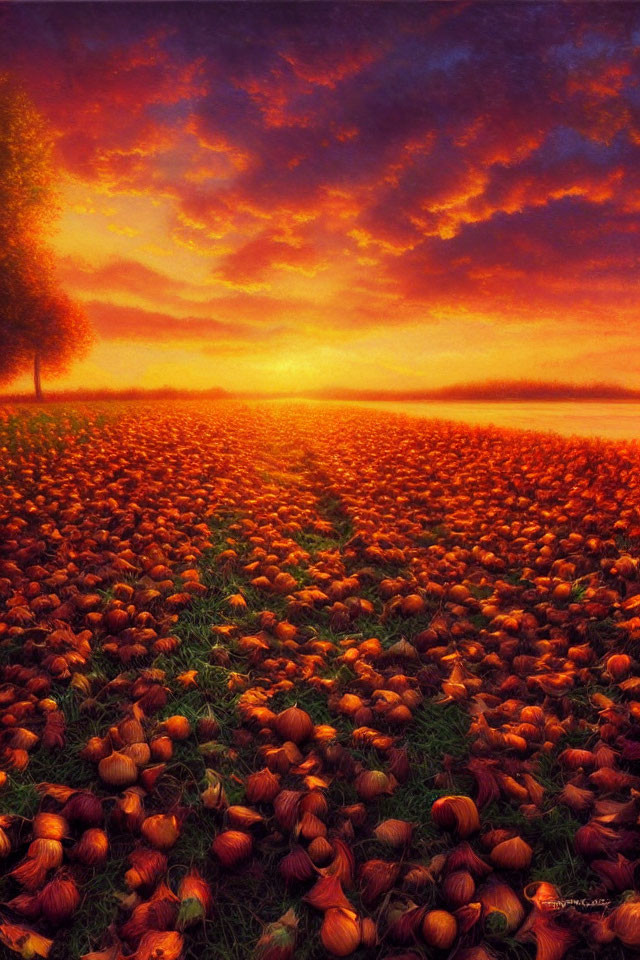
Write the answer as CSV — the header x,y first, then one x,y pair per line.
x,y
560,904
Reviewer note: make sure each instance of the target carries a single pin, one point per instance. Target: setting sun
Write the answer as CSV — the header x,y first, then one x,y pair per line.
x,y
350,199
319,480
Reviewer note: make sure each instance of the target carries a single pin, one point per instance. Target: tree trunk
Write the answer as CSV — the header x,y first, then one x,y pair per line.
x,y
36,376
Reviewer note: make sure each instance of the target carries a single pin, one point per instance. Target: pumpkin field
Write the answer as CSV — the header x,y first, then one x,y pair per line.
x,y
308,682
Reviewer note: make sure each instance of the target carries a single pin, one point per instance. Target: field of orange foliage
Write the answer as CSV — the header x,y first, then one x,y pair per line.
x,y
294,682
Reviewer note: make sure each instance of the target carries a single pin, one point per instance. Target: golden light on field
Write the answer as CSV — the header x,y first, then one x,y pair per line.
x,y
378,670
298,678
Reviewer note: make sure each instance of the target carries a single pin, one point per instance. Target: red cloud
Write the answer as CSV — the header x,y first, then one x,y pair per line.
x,y
114,322
128,276
457,158
554,260
331,67
255,260
99,100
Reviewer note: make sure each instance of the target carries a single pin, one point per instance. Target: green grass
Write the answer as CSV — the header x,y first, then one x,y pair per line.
x,y
479,621
435,534
315,543
515,578
581,698
480,592
624,543
437,729
510,948
578,591
184,778
555,828
332,508
239,917
42,432
20,796
562,868
499,814
550,835
600,631
60,766
9,650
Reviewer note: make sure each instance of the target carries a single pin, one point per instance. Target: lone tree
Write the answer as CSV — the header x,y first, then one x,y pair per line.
x,y
39,325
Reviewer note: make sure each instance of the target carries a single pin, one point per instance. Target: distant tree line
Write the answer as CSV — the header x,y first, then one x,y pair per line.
x,y
491,390
127,393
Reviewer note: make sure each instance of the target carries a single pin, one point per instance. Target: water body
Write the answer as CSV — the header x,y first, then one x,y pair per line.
x,y
610,420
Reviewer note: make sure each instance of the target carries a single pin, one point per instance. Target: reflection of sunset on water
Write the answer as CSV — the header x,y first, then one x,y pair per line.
x,y
618,420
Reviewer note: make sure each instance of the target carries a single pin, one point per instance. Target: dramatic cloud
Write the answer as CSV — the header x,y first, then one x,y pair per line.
x,y
301,176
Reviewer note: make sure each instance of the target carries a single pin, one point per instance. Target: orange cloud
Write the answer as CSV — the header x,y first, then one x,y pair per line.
x,y
264,174
114,322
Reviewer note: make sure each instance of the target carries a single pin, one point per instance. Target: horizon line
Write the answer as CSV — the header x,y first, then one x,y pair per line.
x,y
488,390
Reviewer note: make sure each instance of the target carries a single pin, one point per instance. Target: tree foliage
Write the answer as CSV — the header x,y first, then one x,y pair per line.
x,y
38,323
26,150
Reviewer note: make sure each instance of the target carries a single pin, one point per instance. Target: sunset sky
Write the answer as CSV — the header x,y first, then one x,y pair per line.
x,y
266,195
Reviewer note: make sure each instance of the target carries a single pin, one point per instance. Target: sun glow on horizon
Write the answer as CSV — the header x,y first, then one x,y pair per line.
x,y
387,216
